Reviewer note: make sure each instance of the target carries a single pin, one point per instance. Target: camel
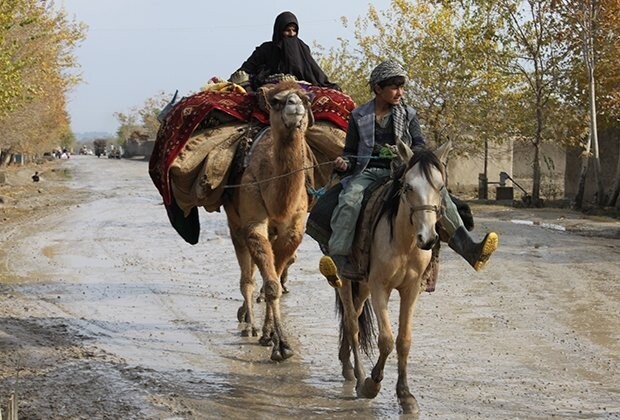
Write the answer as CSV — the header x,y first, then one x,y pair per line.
x,y
267,212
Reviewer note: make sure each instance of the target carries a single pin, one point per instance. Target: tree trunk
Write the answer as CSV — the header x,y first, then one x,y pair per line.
x,y
536,142
536,178
613,195
585,159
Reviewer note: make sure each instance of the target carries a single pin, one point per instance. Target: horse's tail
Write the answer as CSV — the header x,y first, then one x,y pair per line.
x,y
367,332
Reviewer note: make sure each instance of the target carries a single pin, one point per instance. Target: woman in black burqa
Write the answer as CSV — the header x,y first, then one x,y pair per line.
x,y
284,54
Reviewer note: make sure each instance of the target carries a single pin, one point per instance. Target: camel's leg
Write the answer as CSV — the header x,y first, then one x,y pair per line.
x,y
284,247
408,299
257,239
245,314
372,384
283,280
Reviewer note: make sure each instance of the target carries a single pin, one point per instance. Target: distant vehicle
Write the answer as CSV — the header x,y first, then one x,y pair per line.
x,y
115,152
100,145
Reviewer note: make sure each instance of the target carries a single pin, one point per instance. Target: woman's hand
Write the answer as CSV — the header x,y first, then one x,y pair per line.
x,y
341,164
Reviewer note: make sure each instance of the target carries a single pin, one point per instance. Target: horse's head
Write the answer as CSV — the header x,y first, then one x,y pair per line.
x,y
290,106
420,185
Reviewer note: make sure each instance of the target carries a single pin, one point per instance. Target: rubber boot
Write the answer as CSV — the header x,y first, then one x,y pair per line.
x,y
476,254
330,268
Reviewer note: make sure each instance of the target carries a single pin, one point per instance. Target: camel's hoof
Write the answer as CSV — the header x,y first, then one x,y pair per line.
x,y
409,404
265,341
276,356
242,314
281,354
369,389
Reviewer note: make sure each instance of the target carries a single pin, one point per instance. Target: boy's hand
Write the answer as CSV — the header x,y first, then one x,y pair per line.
x,y
341,164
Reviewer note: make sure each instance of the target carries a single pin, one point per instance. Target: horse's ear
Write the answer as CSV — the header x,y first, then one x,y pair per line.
x,y
442,151
404,151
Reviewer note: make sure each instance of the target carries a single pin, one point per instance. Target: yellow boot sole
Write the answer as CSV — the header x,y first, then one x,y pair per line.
x,y
491,242
328,268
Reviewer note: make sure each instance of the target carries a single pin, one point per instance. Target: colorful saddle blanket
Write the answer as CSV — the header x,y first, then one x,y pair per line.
x,y
206,109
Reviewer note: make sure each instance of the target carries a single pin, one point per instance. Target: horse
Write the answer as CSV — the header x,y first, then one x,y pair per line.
x,y
400,251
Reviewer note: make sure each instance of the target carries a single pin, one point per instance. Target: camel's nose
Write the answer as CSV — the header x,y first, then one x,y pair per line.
x,y
294,105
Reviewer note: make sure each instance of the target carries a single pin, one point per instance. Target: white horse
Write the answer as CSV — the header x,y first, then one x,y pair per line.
x,y
400,252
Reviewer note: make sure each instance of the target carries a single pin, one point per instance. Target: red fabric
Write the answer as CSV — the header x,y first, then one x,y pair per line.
x,y
331,105
181,122
177,127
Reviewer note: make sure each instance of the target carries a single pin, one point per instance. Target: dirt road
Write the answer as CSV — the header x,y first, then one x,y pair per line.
x,y
105,312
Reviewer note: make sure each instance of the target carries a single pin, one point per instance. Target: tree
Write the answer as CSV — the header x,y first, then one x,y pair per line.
x,y
537,59
445,48
591,29
41,43
142,120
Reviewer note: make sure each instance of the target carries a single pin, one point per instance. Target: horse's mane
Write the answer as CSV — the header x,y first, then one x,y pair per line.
x,y
427,159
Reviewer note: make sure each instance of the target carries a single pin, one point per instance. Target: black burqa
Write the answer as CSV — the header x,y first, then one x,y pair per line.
x,y
288,55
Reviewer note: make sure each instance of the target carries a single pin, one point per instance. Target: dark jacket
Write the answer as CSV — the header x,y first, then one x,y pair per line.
x,y
360,139
284,55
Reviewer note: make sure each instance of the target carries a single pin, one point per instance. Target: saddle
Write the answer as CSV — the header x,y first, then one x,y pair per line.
x,y
318,227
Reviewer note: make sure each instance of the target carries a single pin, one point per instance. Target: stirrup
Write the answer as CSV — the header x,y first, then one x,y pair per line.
x,y
489,245
328,268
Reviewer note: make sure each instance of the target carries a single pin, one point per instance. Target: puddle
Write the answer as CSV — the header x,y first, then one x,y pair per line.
x,y
551,226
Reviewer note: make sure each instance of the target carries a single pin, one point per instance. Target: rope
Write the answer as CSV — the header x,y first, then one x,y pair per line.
x,y
312,191
247,184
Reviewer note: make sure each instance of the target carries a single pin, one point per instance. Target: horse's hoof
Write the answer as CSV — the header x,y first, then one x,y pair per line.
x,y
284,290
265,341
369,389
245,333
286,352
254,332
260,298
242,314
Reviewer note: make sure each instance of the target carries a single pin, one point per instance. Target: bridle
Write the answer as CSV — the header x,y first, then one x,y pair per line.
x,y
417,208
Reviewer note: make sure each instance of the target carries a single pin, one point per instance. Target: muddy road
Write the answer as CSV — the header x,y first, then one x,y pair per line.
x,y
105,312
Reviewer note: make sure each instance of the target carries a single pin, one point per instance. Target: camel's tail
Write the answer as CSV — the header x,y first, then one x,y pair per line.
x,y
367,332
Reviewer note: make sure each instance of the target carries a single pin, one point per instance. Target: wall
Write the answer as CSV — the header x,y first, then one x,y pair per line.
x,y
463,170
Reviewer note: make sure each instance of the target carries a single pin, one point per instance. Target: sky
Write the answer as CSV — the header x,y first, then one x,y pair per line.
x,y
135,49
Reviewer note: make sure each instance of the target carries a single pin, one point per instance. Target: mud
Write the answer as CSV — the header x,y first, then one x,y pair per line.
x,y
105,312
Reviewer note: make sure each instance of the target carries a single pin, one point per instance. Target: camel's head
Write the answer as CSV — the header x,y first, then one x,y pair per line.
x,y
290,106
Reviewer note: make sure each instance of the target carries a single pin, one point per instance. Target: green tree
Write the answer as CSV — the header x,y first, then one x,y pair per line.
x,y
41,41
141,119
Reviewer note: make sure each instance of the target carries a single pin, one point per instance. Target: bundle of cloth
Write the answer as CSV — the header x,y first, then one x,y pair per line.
x,y
204,139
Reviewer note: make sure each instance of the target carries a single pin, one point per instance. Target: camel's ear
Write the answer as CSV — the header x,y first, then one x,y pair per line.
x,y
310,116
310,97
442,151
